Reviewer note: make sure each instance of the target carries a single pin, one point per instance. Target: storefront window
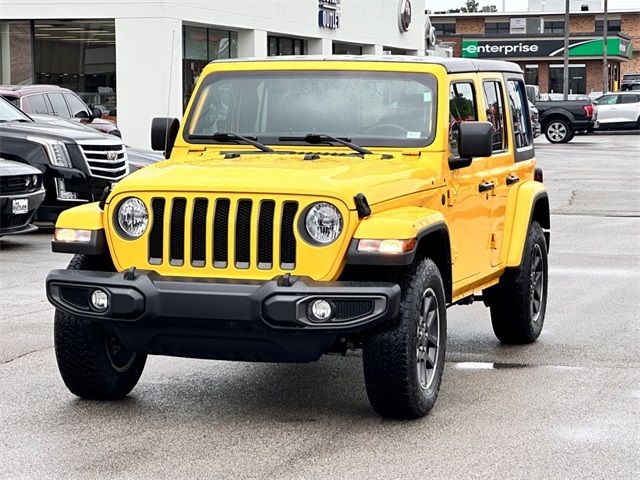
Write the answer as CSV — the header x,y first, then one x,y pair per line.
x,y
286,46
577,78
445,28
531,74
554,27
79,55
496,29
346,49
613,26
202,45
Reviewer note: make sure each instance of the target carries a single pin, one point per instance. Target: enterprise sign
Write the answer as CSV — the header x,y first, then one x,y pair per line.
x,y
329,14
593,47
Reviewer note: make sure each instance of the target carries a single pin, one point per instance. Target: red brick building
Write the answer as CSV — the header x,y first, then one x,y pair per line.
x,y
535,40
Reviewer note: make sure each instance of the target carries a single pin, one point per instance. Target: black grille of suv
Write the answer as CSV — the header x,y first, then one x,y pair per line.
x,y
243,233
18,184
106,160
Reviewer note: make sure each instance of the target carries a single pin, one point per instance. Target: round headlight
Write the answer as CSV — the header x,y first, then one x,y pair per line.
x,y
132,217
323,223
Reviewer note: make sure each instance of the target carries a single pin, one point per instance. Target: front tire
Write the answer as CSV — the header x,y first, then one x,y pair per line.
x,y
92,362
558,131
518,303
403,362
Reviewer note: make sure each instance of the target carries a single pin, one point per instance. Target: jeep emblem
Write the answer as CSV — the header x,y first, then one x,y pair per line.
x,y
112,156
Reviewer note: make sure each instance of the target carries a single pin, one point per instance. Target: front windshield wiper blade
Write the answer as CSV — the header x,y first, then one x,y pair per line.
x,y
316,138
225,137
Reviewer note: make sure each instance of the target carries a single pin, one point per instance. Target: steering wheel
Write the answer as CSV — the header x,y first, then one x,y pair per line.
x,y
385,127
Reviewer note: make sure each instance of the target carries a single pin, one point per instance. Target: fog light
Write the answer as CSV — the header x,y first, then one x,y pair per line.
x,y
99,300
320,311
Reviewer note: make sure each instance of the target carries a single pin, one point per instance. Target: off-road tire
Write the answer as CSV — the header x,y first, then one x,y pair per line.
x,y
85,365
390,355
553,129
513,317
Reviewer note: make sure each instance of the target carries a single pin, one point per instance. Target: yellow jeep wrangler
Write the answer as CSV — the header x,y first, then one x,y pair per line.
x,y
311,206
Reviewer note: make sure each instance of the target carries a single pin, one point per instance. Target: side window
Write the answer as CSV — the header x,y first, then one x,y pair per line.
x,y
628,98
38,104
607,100
495,113
77,106
462,108
59,105
519,114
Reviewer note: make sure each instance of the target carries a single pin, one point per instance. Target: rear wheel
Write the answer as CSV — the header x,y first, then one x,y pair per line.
x,y
92,361
558,131
403,363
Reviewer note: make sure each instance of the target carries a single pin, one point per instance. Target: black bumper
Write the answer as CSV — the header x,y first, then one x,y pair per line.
x,y
11,223
224,319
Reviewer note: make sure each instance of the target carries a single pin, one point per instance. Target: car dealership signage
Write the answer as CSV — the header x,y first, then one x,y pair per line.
x,y
593,47
329,14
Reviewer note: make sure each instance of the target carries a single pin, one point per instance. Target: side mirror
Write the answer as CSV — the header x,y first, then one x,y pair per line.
x,y
475,139
163,134
96,112
595,102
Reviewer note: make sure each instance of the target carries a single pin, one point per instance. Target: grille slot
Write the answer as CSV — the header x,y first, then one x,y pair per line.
x,y
346,309
199,232
287,237
265,234
157,231
220,233
107,161
243,234
176,239
17,184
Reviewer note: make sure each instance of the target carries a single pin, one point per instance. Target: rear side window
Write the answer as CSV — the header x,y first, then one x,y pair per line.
x,y
519,114
37,104
77,106
462,108
495,113
59,105
629,99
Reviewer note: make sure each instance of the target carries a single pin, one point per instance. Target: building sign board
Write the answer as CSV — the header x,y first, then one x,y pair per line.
x,y
404,15
592,47
329,14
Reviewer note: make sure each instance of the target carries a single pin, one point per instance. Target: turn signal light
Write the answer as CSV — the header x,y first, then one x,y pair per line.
x,y
392,247
71,235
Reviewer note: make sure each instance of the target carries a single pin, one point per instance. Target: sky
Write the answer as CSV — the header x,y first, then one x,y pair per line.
x,y
516,5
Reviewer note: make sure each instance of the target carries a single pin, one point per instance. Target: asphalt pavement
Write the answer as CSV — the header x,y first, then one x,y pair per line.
x,y
567,406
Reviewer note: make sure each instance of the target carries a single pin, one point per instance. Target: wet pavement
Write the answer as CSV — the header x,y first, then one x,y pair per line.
x,y
567,406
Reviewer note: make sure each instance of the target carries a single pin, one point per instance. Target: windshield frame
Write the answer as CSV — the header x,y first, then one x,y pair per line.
x,y
427,78
21,115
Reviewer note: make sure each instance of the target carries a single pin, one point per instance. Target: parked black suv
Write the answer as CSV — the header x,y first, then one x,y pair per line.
x,y
630,81
77,164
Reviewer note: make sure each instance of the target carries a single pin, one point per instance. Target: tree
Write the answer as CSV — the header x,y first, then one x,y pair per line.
x,y
470,6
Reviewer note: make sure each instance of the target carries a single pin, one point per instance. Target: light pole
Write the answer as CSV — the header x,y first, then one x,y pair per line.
x,y
605,66
565,72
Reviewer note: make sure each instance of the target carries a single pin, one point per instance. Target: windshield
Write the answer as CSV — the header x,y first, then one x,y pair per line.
x,y
368,108
9,113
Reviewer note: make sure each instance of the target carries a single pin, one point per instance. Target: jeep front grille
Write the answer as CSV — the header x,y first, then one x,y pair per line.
x,y
234,240
105,159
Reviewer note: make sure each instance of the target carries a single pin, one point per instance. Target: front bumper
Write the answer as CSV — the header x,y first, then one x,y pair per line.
x,y
224,319
11,223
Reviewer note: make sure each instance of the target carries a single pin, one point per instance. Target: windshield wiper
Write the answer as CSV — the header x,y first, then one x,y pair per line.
x,y
225,137
317,138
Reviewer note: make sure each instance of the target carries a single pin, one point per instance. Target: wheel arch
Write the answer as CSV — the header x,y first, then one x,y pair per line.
x,y
434,243
556,114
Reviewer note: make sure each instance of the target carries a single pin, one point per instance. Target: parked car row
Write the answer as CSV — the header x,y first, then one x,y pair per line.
x,y
73,164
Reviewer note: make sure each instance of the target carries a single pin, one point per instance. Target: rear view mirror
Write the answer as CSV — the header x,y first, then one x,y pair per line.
x,y
163,134
475,139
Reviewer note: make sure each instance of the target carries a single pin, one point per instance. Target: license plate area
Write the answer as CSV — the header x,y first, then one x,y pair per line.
x,y
20,206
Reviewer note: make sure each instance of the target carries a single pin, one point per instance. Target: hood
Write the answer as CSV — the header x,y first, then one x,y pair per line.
x,y
62,122
11,168
337,176
55,131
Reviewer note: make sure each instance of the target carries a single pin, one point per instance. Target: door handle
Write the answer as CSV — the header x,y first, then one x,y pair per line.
x,y
511,179
486,186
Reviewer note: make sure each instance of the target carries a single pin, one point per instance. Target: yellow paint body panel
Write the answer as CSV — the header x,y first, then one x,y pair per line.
x,y
82,217
404,222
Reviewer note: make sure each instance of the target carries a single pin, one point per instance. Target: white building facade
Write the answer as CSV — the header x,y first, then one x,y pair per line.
x,y
140,59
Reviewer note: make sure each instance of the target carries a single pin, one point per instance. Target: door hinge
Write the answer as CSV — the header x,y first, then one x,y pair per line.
x,y
493,241
451,197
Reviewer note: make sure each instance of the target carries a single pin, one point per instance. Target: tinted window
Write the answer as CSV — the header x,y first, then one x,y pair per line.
x,y
519,114
462,107
77,106
15,101
495,113
59,106
607,100
628,98
37,104
445,28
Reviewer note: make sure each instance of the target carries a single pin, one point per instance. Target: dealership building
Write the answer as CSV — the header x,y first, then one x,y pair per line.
x,y
141,58
535,40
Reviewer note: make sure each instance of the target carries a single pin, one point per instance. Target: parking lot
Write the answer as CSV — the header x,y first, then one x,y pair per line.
x,y
567,406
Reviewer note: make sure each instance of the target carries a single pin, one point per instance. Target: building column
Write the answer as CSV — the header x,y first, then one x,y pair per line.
x,y
252,44
5,54
148,74
319,46
372,50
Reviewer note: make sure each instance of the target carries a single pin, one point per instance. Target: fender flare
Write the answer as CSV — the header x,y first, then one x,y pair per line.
x,y
83,217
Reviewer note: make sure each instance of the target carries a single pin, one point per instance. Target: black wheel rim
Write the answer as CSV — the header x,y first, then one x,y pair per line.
x,y
557,131
120,358
428,336
536,289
